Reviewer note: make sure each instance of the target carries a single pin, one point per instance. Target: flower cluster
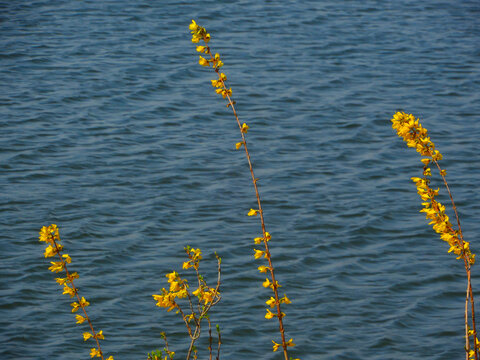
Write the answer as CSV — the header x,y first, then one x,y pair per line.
x,y
416,136
199,33
51,236
179,288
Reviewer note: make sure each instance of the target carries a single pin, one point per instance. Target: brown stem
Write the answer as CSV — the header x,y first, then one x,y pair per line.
x,y
78,297
466,260
257,194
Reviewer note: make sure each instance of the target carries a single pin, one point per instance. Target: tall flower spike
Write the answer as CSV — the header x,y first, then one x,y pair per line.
x,y
199,33
416,136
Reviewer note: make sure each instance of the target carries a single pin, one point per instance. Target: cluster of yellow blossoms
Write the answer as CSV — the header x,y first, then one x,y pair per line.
x,y
51,236
179,288
416,136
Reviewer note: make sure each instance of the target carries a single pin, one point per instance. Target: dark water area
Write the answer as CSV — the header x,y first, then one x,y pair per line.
x,y
112,130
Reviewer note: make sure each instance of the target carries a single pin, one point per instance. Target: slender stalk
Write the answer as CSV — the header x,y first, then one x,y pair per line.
x,y
262,220
57,248
467,262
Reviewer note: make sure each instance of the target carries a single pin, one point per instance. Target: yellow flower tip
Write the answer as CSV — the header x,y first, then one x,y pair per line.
x,y
258,253
95,353
80,319
266,283
286,300
275,346
57,266
202,61
187,265
67,258
193,25
206,38
86,336
238,145
263,269
201,49
100,335
269,314
245,128
253,212
267,236
425,161
257,240
271,302
223,77
290,343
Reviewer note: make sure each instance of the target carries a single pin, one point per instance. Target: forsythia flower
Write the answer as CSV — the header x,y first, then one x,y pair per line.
x,y
57,266
269,314
245,128
86,336
100,335
253,212
94,352
202,61
238,145
271,302
416,136
258,253
80,319
263,269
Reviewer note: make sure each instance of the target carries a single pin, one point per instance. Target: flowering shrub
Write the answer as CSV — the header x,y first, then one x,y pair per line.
x,y
416,136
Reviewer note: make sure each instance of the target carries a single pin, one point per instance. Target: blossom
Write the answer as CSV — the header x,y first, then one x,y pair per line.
x,y
57,266
269,314
253,212
258,253
245,128
202,61
86,336
94,352
80,319
238,145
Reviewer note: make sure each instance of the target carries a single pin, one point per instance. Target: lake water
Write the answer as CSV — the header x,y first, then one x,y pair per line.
x,y
111,130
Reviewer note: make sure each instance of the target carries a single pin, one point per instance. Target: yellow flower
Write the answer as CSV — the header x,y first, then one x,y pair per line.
x,y
201,49
100,335
61,281
110,358
238,145
187,265
223,77
290,343
69,291
258,240
86,336
285,300
269,314
266,283
50,251
267,236
263,269
258,253
271,302
253,212
57,266
275,346
80,319
94,352
443,172
84,302
245,128
67,258
193,26
202,61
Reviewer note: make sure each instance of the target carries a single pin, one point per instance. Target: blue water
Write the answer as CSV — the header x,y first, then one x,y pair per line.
x,y
111,130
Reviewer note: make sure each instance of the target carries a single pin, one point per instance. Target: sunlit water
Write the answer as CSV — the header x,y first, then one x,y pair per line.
x,y
111,130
